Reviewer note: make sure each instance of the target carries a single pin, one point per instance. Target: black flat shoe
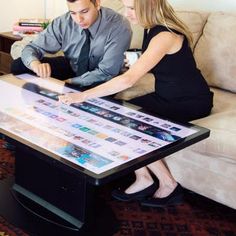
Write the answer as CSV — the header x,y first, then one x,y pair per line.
x,y
122,196
175,198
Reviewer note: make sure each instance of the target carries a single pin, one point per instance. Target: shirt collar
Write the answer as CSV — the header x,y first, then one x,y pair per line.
x,y
94,27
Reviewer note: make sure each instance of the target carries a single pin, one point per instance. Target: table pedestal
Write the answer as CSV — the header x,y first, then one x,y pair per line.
x,y
65,194
45,199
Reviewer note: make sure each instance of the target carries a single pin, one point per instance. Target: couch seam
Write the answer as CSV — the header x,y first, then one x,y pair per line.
x,y
203,28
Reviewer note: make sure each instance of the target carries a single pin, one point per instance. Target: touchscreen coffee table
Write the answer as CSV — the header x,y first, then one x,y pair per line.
x,y
62,151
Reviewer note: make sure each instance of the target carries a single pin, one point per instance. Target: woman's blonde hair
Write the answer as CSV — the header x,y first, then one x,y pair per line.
x,y
159,12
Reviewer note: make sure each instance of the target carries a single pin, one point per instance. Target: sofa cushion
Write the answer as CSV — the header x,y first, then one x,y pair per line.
x,y
214,157
207,175
116,5
222,139
195,22
222,125
223,101
215,51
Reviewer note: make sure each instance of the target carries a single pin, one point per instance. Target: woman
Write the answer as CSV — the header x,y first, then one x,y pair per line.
x,y
181,93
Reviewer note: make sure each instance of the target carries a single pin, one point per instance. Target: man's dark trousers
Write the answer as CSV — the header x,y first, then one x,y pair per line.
x,y
60,67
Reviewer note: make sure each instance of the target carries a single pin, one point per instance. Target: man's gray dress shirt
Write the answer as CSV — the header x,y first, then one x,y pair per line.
x,y
110,38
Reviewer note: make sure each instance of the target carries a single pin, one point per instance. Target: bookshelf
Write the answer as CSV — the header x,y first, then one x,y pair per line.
x,y
6,40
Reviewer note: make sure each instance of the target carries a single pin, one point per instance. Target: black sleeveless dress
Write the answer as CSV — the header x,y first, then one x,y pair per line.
x,y
181,92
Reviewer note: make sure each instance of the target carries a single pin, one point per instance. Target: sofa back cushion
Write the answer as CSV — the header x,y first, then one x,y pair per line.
x,y
194,20
215,51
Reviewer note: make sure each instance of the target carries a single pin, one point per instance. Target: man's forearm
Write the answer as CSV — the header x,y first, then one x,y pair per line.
x,y
29,55
89,78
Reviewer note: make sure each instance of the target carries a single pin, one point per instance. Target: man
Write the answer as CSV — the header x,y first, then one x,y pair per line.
x,y
109,36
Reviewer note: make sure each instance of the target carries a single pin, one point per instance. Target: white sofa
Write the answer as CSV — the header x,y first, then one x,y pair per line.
x,y
208,167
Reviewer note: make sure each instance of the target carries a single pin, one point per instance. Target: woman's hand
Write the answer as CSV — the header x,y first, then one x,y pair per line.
x,y
70,98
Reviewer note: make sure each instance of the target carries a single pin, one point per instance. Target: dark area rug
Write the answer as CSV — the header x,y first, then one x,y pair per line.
x,y
197,216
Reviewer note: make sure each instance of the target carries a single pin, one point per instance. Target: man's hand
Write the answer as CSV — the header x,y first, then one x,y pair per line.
x,y
126,64
68,81
70,98
42,70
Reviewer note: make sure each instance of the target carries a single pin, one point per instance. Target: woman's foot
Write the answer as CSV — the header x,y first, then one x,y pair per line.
x,y
136,196
165,190
139,185
143,187
175,197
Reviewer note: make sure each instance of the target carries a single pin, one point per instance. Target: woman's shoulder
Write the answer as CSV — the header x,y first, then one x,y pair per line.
x,y
158,29
161,28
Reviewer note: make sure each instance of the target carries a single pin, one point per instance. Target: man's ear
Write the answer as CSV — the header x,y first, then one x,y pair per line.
x,y
98,4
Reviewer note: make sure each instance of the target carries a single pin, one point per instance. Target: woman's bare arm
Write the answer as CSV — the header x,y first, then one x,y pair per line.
x,y
159,46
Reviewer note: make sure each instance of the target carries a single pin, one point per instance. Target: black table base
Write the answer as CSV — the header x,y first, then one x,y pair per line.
x,y
43,199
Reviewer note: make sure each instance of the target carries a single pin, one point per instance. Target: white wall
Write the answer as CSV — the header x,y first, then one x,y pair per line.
x,y
11,10
56,8
205,5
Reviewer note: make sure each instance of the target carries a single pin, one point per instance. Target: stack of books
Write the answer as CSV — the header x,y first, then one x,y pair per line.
x,y
29,26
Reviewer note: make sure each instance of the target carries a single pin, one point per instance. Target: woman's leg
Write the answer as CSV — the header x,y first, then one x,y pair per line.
x,y
176,110
143,180
167,183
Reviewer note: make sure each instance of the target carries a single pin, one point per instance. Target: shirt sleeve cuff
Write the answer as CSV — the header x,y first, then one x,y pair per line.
x,y
28,61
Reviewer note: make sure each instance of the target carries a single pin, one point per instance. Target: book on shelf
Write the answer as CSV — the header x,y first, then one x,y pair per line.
x,y
25,30
29,26
33,22
17,27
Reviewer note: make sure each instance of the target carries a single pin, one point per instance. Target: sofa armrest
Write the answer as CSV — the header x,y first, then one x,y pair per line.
x,y
18,46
